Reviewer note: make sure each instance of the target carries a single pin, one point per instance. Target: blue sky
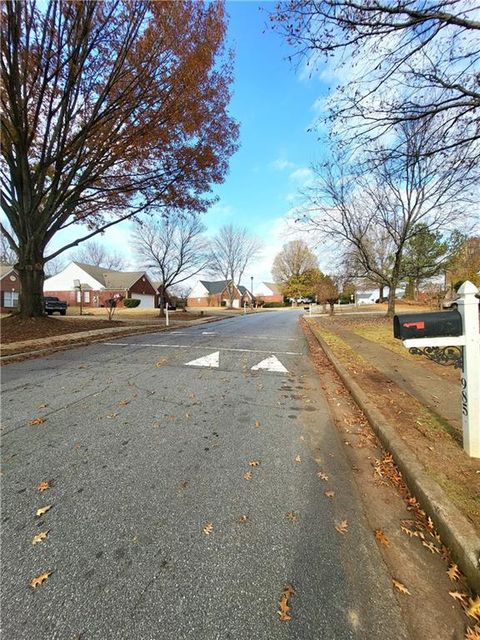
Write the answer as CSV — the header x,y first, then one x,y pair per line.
x,y
275,105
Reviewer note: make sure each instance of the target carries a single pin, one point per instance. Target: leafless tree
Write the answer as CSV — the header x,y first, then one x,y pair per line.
x,y
404,61
7,254
95,253
388,198
173,249
231,251
294,259
108,109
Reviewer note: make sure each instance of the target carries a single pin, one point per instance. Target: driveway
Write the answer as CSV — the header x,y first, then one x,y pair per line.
x,y
182,471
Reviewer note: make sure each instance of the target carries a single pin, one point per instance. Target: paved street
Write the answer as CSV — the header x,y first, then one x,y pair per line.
x,y
146,441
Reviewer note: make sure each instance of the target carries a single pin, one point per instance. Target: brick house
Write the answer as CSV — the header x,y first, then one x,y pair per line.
x,y
216,294
99,284
9,288
269,292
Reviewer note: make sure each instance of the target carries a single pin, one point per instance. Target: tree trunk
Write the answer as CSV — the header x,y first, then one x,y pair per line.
x,y
380,292
391,298
332,308
32,276
161,303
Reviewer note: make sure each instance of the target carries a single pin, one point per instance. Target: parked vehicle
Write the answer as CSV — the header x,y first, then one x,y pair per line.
x,y
52,304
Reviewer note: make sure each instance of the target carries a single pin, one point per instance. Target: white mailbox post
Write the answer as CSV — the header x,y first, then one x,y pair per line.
x,y
467,347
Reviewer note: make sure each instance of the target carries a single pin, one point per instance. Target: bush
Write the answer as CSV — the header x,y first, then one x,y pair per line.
x,y
131,303
272,305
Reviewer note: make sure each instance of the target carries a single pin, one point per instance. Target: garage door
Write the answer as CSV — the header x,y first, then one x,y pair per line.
x,y
145,301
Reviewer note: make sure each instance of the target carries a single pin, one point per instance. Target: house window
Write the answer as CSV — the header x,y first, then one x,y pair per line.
x,y
86,296
10,299
79,296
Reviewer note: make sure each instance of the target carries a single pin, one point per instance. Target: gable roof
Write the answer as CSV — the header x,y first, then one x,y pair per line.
x,y
111,279
273,287
243,290
5,268
215,287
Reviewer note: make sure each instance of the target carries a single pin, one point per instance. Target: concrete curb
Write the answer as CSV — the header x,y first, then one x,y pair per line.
x,y
454,528
81,341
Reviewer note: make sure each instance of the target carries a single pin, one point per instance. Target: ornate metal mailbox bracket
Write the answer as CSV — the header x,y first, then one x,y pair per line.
x,y
445,356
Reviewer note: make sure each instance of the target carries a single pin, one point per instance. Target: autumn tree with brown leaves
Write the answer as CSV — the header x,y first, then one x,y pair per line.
x,y
109,109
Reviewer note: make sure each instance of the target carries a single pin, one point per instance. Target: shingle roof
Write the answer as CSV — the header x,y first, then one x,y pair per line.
x,y
5,268
273,287
217,286
111,279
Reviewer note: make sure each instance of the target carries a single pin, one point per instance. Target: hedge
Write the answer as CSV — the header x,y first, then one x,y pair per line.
x,y
131,303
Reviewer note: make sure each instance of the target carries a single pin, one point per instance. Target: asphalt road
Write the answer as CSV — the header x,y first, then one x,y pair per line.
x,y
142,451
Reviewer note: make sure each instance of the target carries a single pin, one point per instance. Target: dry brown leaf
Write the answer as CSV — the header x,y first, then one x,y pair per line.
x,y
330,494
39,537
283,608
342,527
298,460
257,423
39,512
208,528
36,582
283,605
381,538
248,475
254,463
43,486
124,403
244,519
292,516
112,415
400,587
322,476
473,609
42,406
457,595
36,421
408,531
454,573
473,633
431,547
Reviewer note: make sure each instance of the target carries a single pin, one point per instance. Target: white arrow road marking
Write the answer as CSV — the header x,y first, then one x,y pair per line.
x,y
212,360
270,364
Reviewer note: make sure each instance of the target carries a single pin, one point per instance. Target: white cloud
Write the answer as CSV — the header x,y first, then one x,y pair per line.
x,y
302,176
280,164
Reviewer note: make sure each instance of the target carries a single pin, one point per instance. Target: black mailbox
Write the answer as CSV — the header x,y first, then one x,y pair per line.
x,y
427,325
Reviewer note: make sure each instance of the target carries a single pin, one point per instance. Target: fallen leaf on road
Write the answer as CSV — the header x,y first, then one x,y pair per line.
x,y
298,460
36,582
254,463
460,597
36,421
431,547
257,423
42,406
248,475
473,633
400,587
161,362
283,605
473,609
112,415
292,516
208,528
244,519
43,510
302,438
124,403
408,531
185,484
322,476
330,494
381,538
342,527
39,537
453,573
43,486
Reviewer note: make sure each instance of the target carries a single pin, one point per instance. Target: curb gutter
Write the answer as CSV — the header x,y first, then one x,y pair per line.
x,y
84,341
456,531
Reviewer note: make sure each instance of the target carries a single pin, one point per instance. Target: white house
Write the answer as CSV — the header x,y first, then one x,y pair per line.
x,y
99,284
